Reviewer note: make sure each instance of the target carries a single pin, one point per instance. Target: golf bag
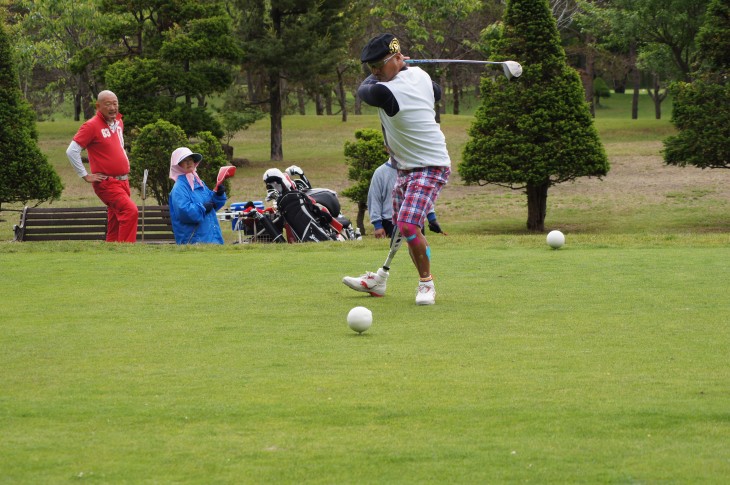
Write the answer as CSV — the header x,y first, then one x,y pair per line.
x,y
327,198
304,219
262,224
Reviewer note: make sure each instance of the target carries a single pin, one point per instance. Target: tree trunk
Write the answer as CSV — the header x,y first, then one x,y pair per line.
x,y
536,206
457,97
88,94
228,151
328,101
361,208
252,91
588,75
277,152
301,102
318,106
637,83
341,95
657,96
88,107
358,104
275,107
77,107
83,99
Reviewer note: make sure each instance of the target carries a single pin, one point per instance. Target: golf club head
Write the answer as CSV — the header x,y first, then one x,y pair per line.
x,y
512,69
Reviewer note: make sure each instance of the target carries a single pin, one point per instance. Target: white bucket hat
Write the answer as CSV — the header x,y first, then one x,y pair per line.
x,y
179,155
182,153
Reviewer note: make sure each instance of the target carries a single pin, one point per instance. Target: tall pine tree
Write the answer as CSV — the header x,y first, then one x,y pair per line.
x,y
534,131
25,173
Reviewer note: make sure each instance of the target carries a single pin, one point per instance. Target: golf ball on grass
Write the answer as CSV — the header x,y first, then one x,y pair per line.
x,y
555,239
359,319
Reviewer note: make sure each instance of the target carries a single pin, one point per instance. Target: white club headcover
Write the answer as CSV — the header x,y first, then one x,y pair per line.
x,y
294,170
274,176
273,172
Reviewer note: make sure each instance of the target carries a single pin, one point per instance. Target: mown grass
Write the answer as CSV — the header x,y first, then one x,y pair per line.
x,y
602,362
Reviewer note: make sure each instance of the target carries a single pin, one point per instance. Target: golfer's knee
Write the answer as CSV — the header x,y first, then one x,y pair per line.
x,y
410,232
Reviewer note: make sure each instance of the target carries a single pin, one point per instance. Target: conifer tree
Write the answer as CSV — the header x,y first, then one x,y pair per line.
x,y
702,108
25,173
534,131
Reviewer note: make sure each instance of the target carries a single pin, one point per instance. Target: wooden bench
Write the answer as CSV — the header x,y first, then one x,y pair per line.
x,y
88,224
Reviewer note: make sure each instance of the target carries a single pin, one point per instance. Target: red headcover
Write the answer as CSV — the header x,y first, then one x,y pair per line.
x,y
224,173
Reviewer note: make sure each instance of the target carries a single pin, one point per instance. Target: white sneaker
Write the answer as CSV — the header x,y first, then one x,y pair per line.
x,y
373,283
426,294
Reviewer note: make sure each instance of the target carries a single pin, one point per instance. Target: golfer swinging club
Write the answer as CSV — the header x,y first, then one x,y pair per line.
x,y
405,98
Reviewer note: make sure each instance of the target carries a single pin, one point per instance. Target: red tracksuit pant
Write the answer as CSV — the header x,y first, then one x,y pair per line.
x,y
122,213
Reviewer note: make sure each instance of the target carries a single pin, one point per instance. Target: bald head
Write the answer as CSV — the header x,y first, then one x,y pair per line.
x,y
108,105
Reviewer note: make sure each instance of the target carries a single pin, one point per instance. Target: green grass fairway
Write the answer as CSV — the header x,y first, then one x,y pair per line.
x,y
602,362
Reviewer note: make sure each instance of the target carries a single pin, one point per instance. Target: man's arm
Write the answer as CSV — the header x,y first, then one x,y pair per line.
x,y
433,224
375,203
73,152
378,95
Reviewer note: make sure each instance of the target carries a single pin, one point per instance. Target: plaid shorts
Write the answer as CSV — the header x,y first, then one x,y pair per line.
x,y
415,193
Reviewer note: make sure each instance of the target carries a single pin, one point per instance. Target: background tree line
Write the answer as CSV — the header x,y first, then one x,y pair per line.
x,y
172,56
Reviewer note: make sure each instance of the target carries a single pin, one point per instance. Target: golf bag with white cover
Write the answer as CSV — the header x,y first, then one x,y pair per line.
x,y
325,197
305,220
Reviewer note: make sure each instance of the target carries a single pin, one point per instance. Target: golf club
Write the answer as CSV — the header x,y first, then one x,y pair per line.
x,y
395,241
511,68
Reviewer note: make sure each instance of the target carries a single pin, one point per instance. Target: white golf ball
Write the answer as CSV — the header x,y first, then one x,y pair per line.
x,y
359,319
555,239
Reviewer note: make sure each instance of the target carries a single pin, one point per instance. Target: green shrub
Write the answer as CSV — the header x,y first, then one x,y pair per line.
x,y
25,173
362,157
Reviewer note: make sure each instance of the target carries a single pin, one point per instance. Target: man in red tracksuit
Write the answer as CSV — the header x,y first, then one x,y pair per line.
x,y
102,138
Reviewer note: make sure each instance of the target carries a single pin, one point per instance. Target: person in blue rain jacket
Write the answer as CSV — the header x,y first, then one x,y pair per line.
x,y
193,205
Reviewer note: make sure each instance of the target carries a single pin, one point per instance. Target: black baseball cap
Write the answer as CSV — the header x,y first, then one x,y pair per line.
x,y
379,47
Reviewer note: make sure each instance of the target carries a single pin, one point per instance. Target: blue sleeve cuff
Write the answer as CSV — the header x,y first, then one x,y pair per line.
x,y
378,225
431,216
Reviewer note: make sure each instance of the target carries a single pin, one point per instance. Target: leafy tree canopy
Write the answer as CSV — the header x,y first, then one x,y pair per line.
x,y
175,52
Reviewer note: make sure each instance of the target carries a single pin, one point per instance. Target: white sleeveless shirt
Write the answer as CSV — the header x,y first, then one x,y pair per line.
x,y
413,137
